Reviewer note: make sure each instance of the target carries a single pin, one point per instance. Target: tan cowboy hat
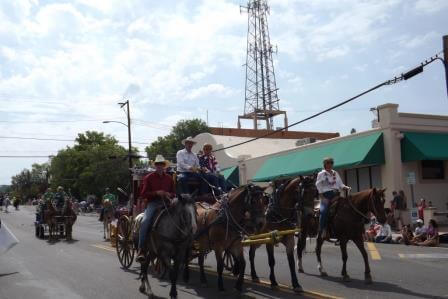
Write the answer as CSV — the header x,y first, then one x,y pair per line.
x,y
160,159
189,139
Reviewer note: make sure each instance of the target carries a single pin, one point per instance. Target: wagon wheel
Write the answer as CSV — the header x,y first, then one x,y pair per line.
x,y
124,245
229,261
158,268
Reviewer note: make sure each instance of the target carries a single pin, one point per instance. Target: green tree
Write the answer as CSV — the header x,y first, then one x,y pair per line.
x,y
30,183
95,162
170,144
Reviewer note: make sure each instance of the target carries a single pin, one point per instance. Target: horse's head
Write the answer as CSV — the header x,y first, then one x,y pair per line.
x,y
254,204
187,213
376,204
307,190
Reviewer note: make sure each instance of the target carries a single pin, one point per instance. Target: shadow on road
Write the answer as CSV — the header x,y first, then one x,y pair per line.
x,y
8,274
378,286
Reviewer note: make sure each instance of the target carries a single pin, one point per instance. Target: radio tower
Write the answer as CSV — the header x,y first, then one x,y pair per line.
x,y
261,99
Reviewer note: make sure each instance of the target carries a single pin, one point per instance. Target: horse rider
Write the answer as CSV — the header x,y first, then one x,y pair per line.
x,y
188,167
108,197
329,185
156,187
59,198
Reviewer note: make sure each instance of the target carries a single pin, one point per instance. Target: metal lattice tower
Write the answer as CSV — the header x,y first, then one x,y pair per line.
x,y
261,99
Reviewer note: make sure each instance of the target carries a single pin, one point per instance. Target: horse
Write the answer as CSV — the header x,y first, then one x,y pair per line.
x,y
49,215
348,224
281,215
108,217
69,218
309,216
170,239
220,228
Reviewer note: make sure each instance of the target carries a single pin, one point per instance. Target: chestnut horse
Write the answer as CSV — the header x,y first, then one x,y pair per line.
x,y
70,218
281,215
348,224
220,228
50,214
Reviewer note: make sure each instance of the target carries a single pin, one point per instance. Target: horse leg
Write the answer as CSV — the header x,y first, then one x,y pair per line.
x,y
343,246
360,244
145,287
104,229
174,269
319,243
271,261
220,267
187,265
238,253
253,273
201,268
301,244
289,244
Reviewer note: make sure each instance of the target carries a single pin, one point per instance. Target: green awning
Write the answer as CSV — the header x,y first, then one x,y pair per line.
x,y
424,146
359,150
232,175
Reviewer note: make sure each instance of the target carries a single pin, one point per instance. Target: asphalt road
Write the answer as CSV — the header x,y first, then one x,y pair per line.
x,y
88,268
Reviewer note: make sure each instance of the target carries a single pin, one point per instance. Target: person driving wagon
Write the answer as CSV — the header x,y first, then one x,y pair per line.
x,y
329,185
189,169
156,187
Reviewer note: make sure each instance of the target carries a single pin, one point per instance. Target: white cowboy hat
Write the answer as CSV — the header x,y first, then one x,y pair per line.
x,y
160,159
189,139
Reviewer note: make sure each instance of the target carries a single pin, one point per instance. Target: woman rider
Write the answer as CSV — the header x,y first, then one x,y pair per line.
x,y
328,184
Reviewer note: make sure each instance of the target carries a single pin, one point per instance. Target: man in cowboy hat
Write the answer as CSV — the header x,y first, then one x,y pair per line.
x,y
188,166
59,198
157,186
110,198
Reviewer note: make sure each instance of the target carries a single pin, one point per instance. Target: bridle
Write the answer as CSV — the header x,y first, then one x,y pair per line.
x,y
370,202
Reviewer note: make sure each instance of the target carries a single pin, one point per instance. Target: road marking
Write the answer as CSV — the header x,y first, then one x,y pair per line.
x,y
374,254
423,255
104,247
262,282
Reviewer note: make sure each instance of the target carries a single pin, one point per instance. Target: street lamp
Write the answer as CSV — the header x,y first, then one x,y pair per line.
x,y
131,193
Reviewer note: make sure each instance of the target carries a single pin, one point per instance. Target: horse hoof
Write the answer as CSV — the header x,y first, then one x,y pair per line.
x,y
298,289
275,287
301,271
323,274
346,278
368,280
142,289
256,279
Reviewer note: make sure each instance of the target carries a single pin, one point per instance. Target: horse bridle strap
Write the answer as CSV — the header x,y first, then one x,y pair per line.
x,y
358,211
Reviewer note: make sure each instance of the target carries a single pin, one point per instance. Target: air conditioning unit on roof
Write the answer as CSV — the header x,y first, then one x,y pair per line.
x,y
304,141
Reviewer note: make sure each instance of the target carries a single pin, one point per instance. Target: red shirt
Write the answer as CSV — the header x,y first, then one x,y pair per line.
x,y
155,182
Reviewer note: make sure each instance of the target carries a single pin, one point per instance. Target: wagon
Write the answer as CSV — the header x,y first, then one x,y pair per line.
x,y
42,230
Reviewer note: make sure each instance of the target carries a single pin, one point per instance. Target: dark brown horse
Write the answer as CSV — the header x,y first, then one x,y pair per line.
x,y
50,214
69,218
220,228
281,215
348,224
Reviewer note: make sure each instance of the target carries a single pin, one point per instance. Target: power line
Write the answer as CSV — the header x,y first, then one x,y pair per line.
x,y
403,76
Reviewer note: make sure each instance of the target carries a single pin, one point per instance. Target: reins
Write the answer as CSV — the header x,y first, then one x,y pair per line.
x,y
358,211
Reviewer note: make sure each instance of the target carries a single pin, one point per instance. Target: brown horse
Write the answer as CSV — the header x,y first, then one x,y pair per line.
x,y
281,215
50,214
220,228
69,218
108,217
348,224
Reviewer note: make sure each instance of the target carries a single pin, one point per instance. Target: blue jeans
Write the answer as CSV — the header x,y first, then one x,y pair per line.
x,y
324,207
145,226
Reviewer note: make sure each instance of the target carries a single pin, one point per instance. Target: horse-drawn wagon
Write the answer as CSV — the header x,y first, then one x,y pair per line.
x,y
53,224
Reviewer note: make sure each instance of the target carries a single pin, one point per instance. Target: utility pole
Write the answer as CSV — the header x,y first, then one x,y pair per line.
x,y
445,59
131,182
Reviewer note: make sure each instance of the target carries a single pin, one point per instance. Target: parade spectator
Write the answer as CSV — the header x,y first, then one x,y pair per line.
x,y
406,235
421,208
385,234
420,230
432,235
373,230
400,207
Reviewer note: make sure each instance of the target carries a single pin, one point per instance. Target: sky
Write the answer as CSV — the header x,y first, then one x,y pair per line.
x,y
64,65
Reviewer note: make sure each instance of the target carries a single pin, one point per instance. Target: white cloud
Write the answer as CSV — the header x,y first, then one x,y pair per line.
x,y
419,40
430,6
211,91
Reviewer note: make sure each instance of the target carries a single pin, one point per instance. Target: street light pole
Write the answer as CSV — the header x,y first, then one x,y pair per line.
x,y
445,59
131,182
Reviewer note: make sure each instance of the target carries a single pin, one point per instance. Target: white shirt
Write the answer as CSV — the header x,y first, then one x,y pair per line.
x,y
420,230
385,231
329,181
186,160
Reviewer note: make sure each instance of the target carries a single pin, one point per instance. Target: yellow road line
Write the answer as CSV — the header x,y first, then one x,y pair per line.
x,y
104,247
282,287
374,254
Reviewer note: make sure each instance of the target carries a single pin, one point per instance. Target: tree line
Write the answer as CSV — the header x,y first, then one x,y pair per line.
x,y
96,161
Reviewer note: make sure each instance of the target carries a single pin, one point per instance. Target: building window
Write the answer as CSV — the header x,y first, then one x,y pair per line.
x,y
433,170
